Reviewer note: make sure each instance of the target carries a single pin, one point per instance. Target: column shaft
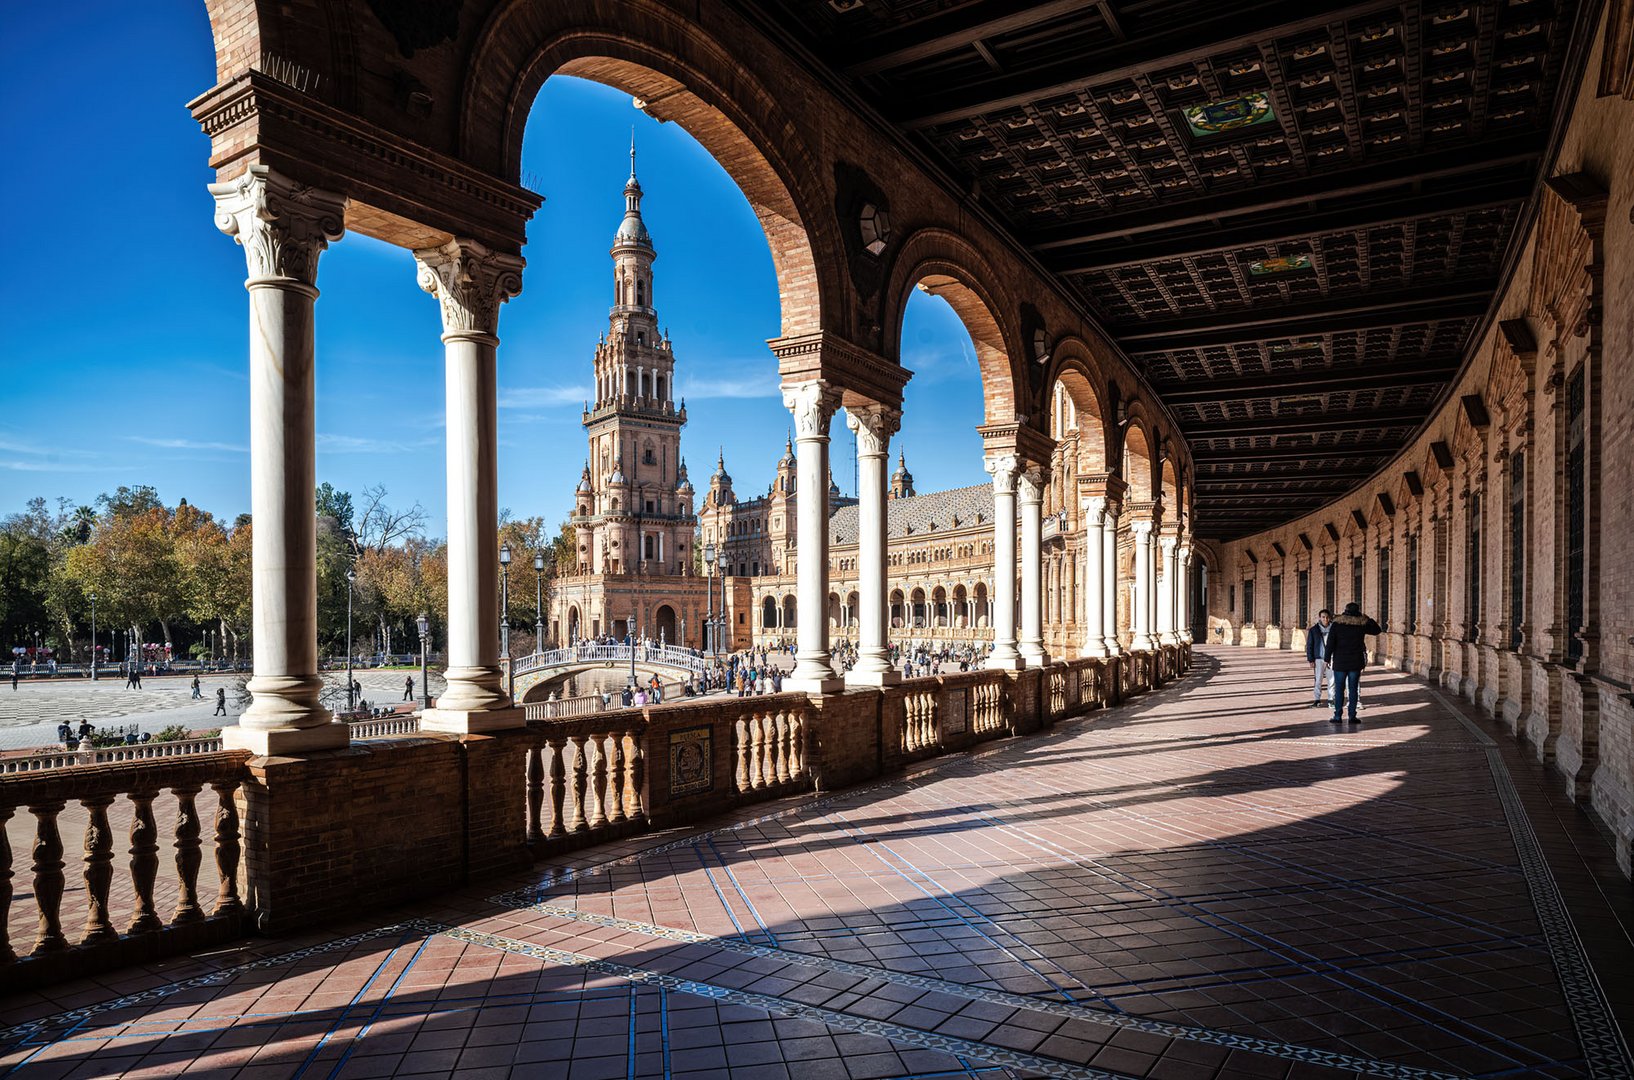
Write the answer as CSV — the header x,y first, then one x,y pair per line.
x,y
1030,499
471,282
1142,638
283,226
813,404
1004,469
1166,593
1109,580
873,426
1094,629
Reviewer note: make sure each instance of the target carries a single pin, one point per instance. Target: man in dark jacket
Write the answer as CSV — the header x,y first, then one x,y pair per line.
x,y
1347,655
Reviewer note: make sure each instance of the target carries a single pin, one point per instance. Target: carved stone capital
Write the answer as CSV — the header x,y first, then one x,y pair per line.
x,y
469,282
1003,468
1094,508
873,425
1031,482
1142,528
282,225
1169,543
813,405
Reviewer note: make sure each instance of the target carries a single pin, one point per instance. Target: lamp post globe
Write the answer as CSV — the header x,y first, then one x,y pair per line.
x,y
351,697
423,624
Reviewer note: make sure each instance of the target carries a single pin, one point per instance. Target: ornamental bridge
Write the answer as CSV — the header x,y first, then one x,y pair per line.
x,y
536,672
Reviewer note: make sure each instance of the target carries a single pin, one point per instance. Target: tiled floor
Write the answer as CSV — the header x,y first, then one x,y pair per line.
x,y
1210,882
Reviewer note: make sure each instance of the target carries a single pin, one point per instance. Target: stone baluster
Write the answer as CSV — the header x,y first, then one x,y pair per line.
x,y
763,743
615,779
788,749
556,751
576,819
743,755
779,724
144,862
98,869
48,878
533,768
227,847
596,779
800,743
188,856
7,954
635,769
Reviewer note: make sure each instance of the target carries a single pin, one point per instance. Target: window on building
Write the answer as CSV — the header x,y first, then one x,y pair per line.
x,y
1384,587
1517,547
1472,573
743,569
648,546
1248,601
1231,598
1275,617
1412,584
640,292
1303,584
641,339
756,565
647,457
650,506
1330,586
1356,578
1576,473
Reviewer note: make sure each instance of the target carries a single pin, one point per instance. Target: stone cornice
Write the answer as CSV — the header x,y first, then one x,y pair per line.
x,y
861,376
421,197
1013,436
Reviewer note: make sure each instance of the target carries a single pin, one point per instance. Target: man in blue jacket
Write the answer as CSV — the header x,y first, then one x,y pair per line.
x,y
1316,646
1347,655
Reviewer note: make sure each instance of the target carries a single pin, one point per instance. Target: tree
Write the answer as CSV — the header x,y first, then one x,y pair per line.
x,y
25,568
128,501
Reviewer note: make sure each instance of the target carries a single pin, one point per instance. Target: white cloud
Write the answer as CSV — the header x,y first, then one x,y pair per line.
x,y
187,444
46,466
756,384
353,444
543,397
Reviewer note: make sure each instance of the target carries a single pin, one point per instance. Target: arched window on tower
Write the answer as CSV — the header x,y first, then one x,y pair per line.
x,y
640,293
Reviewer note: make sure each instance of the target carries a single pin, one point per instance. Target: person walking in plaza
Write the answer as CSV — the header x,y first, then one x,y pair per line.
x,y
221,701
1316,645
408,688
1347,655
197,694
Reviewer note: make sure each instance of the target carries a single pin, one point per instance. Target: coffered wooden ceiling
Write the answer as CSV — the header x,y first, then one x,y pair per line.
x,y
1292,216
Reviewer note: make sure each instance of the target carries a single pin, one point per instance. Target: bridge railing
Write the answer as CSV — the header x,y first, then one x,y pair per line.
x,y
662,655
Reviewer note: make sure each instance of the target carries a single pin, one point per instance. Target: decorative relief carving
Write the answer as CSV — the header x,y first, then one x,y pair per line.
x,y
470,282
282,225
813,405
873,425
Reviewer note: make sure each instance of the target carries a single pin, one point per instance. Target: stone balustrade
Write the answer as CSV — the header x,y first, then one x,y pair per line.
x,y
123,925
335,833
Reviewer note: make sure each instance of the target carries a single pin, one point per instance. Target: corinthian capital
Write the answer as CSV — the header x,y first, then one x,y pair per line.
x,y
813,404
1095,510
873,425
1003,468
1142,528
470,282
1030,483
282,225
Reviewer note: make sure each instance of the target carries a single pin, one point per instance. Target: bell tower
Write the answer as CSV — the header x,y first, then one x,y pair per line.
x,y
640,519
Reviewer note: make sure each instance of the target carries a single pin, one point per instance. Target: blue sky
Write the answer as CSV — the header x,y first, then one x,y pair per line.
x,y
126,352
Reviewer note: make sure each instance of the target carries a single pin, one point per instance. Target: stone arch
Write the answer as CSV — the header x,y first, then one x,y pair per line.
x,y
938,600
573,628
949,267
981,597
834,610
788,612
961,597
917,616
768,613
680,75
895,608
1170,489
1074,367
664,625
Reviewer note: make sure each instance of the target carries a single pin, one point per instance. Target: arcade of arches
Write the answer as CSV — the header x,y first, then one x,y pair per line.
x,y
1275,311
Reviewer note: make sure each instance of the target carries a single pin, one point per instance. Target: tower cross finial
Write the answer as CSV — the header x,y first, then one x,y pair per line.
x,y
632,151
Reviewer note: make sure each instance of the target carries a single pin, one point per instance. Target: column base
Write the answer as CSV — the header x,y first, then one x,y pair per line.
x,y
1141,644
473,721
1008,660
1034,656
797,684
286,741
859,677
1094,651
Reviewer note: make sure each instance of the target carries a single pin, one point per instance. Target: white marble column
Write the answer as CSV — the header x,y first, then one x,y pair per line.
x,y
1109,578
470,282
1142,621
813,404
1094,628
873,426
1166,591
1004,469
1030,504
283,227
1182,596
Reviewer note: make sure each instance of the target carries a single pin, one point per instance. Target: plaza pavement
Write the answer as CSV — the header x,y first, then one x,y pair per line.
x,y
1209,883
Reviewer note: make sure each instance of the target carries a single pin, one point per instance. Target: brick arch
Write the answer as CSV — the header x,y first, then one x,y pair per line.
x,y
1137,464
1170,486
950,268
684,77
1075,367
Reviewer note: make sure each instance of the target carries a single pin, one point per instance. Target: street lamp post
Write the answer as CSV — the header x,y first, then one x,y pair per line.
x,y
725,561
629,638
351,697
424,626
709,598
538,601
505,617
93,637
